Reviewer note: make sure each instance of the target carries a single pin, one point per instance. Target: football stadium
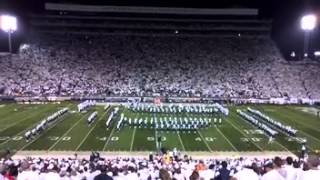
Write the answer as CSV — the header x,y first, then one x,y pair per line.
x,y
147,91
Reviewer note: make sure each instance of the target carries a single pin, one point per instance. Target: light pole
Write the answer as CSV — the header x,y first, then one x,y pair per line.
x,y
8,24
9,41
307,23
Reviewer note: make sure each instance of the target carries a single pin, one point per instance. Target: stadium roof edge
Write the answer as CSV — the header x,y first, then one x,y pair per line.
x,y
90,33
154,10
50,16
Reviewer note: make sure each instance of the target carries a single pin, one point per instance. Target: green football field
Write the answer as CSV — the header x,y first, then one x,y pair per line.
x,y
72,133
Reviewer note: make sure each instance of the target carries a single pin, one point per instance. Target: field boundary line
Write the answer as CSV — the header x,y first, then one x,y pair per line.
x,y
32,125
298,122
244,135
24,119
132,138
17,122
110,135
283,146
5,110
54,125
219,155
92,128
308,135
205,142
156,138
182,145
302,132
52,146
233,147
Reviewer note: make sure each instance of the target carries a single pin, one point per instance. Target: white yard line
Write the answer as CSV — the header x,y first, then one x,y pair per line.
x,y
132,138
85,138
205,142
25,130
145,154
54,125
244,135
105,145
183,148
310,136
234,148
26,118
51,147
306,125
156,138
277,142
282,146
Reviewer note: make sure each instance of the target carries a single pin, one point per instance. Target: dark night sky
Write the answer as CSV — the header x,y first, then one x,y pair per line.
x,y
270,6
285,13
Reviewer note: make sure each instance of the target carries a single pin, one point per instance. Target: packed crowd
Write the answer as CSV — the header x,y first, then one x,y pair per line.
x,y
164,167
147,66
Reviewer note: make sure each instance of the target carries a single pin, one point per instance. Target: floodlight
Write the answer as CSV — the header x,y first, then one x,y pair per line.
x,y
8,23
317,53
308,22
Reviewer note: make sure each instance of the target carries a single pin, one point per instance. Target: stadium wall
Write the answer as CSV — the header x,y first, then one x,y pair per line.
x,y
153,10
280,101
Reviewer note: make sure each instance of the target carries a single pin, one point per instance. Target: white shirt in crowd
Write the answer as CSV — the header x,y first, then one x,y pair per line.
x,y
272,175
144,174
292,173
179,176
245,173
28,175
207,174
132,176
310,175
52,176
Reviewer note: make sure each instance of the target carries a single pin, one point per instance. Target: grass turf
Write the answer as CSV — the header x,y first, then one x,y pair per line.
x,y
72,133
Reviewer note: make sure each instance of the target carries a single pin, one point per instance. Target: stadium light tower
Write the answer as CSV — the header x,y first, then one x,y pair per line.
x,y
8,24
308,23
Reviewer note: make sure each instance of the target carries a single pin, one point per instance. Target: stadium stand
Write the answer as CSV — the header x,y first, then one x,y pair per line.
x,y
108,51
72,55
162,167
144,66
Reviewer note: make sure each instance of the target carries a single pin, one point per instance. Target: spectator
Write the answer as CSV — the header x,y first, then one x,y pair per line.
x,y
52,173
224,172
271,172
2,171
290,170
194,176
313,171
103,175
164,175
28,173
247,171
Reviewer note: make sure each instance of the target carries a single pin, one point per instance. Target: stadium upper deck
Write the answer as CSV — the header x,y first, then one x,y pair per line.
x,y
106,20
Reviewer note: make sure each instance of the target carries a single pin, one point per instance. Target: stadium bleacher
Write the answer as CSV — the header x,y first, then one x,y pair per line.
x,y
143,66
123,53
164,167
